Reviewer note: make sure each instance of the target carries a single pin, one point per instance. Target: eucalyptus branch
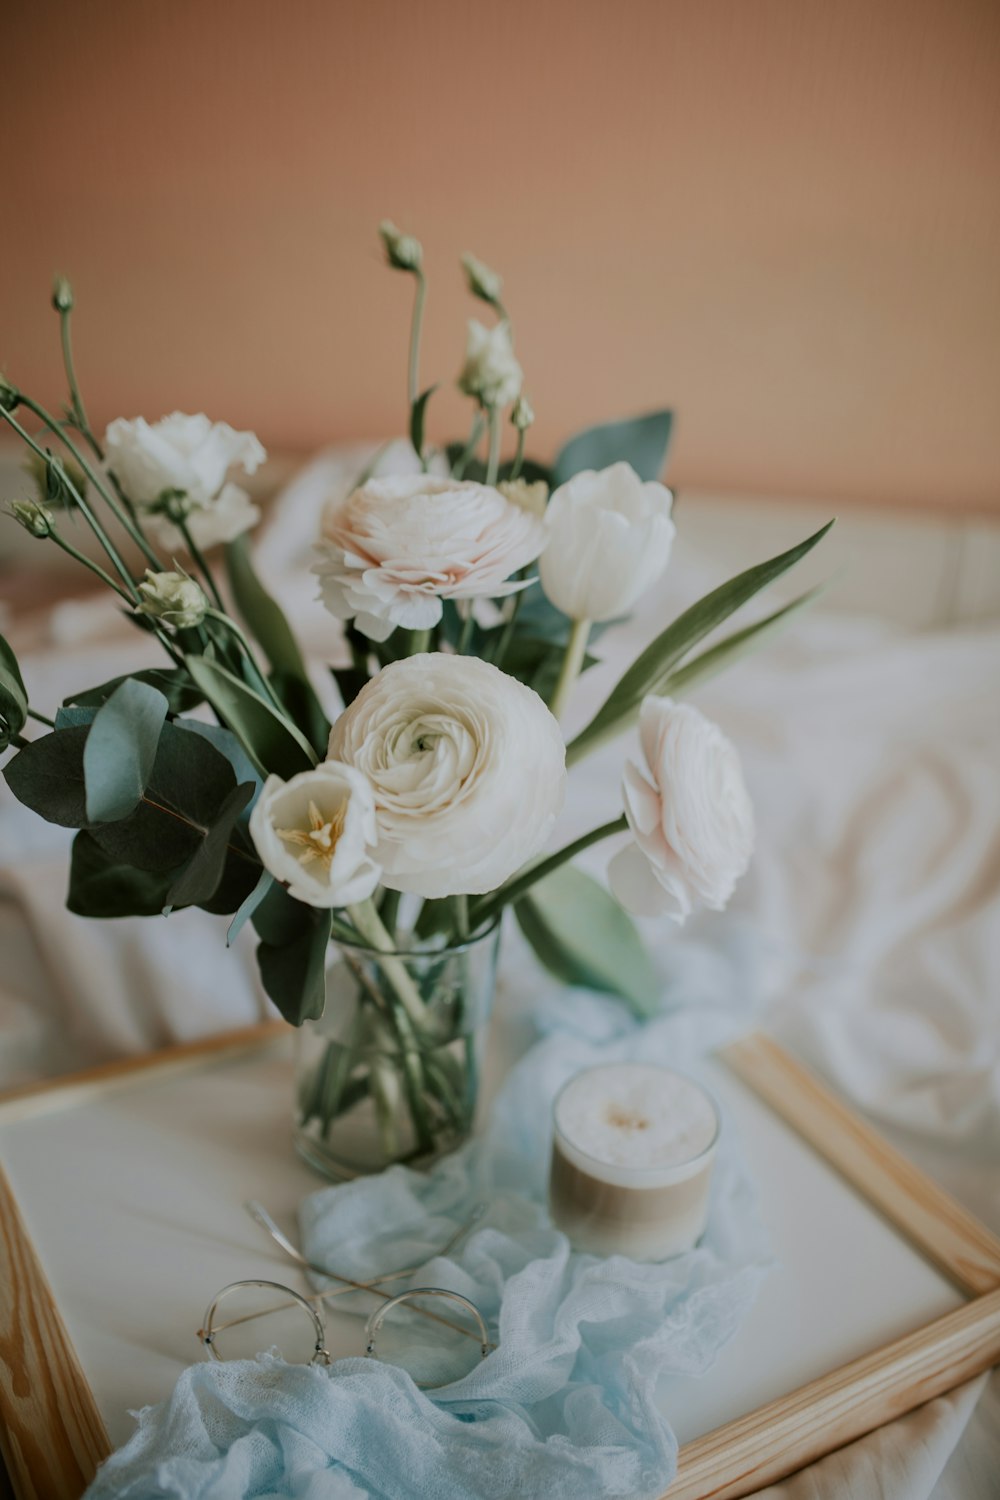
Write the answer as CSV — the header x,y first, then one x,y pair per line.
x,y
85,509
487,907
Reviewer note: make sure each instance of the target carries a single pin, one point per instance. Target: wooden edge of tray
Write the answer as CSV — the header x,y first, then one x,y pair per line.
x,y
776,1440
71,1089
52,1435
949,1236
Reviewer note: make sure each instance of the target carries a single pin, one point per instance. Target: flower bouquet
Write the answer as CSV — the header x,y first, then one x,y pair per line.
x,y
374,826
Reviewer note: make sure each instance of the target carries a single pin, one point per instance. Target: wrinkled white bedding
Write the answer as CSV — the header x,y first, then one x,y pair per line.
x,y
873,904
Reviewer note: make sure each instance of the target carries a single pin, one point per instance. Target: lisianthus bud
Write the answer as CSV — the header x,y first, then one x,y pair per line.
x,y
484,283
9,395
402,250
34,518
491,372
523,414
62,294
171,597
532,497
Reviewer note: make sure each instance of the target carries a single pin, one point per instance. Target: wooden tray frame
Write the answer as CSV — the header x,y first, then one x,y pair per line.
x,y
52,1435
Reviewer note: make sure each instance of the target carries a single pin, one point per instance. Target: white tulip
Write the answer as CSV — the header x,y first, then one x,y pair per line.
x,y
690,813
610,536
491,372
174,598
316,833
397,546
468,770
190,455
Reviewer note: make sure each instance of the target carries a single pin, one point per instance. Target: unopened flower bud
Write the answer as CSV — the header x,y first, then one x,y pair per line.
x,y
530,496
483,282
9,395
34,518
402,250
173,598
62,294
523,414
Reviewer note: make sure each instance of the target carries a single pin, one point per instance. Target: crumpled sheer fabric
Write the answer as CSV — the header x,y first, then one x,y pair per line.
x,y
565,1407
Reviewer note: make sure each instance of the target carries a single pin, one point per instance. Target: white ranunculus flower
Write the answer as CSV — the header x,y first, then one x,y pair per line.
x,y
491,372
610,535
174,598
468,770
316,834
189,454
690,812
396,547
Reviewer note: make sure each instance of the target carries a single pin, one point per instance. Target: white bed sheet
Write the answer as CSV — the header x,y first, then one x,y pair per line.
x,y
867,934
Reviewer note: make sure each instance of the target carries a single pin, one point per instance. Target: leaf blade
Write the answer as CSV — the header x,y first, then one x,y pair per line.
x,y
272,743
13,695
642,442
199,880
120,751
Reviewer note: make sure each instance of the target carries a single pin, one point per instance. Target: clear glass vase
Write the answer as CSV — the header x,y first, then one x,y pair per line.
x,y
390,1072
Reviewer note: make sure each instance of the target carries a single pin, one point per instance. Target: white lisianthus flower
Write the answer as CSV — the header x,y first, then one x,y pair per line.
x,y
396,547
174,598
690,813
491,372
316,834
610,535
467,767
190,456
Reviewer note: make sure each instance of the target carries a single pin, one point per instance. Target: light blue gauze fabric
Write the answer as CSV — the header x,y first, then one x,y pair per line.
x,y
564,1408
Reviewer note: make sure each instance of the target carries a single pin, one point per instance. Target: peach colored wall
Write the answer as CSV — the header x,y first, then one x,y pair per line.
x,y
781,216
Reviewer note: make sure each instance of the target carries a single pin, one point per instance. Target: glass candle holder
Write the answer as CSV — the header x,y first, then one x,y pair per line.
x,y
632,1153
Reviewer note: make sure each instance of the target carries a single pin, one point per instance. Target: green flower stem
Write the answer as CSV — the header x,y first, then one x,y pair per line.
x,y
76,400
419,298
123,519
576,650
88,562
199,558
369,924
487,907
41,718
468,452
85,509
389,910
465,634
516,466
510,624
493,461
247,649
420,640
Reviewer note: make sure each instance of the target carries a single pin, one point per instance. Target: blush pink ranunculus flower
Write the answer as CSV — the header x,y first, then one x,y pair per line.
x,y
690,812
395,548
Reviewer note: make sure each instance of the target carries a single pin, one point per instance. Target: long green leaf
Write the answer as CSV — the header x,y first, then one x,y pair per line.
x,y
418,418
650,672
267,621
707,663
13,697
641,442
583,937
121,749
272,743
199,880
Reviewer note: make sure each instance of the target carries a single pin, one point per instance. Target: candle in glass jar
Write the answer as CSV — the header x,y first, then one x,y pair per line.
x,y
632,1161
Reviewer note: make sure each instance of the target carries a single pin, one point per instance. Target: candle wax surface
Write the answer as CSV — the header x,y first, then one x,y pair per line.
x,y
636,1116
